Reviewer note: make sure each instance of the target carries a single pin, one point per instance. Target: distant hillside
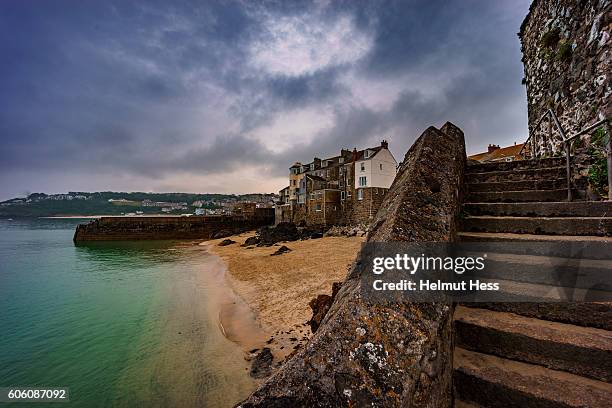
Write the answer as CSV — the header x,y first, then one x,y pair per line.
x,y
117,203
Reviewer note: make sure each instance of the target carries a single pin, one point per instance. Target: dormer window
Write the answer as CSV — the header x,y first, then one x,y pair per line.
x,y
312,166
341,160
367,153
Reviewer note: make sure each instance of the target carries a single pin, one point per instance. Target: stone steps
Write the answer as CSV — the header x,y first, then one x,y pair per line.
x,y
597,315
599,226
491,381
546,209
517,165
554,345
521,185
535,349
517,196
545,173
540,267
511,237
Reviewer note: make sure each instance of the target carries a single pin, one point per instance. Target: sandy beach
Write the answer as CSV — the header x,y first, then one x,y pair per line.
x,y
278,289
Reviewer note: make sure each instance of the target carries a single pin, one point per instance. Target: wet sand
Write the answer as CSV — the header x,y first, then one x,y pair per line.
x,y
277,289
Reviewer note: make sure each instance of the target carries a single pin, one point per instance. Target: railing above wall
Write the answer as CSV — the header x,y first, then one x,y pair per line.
x,y
536,150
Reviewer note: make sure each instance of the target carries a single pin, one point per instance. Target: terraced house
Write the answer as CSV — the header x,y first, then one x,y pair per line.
x,y
342,190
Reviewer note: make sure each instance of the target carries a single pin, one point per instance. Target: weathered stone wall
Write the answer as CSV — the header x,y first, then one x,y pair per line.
x,y
160,228
395,354
324,210
364,210
567,61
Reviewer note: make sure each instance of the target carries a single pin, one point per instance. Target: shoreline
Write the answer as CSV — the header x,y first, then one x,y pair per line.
x,y
276,290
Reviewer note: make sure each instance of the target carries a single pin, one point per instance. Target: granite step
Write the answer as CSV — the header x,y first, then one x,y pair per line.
x,y
580,350
542,209
492,381
545,173
467,236
547,264
517,196
521,185
585,314
599,226
517,165
463,404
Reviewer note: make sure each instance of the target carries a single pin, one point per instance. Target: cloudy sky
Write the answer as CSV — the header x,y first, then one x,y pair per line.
x,y
224,96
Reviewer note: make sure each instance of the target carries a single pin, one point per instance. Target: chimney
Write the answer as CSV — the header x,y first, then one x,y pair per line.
x,y
354,154
492,148
384,144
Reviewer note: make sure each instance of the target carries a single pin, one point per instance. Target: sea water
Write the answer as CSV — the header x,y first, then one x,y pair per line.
x,y
120,324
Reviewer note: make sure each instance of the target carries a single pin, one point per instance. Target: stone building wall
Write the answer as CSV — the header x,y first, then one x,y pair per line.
x,y
364,210
324,210
567,61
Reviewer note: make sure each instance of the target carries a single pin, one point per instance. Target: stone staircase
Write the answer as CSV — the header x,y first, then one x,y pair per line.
x,y
531,354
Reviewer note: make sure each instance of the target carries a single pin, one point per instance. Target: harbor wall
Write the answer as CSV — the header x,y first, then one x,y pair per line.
x,y
170,227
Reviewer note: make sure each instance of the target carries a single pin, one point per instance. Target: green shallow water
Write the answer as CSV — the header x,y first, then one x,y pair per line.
x,y
120,324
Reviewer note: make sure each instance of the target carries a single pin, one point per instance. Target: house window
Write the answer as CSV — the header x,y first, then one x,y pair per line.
x,y
341,160
380,166
312,166
360,194
342,195
376,191
362,166
318,207
363,181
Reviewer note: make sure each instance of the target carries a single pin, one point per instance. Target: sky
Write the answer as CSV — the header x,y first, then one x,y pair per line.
x,y
222,97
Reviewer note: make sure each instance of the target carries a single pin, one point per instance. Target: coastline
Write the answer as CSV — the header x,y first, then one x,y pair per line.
x,y
277,289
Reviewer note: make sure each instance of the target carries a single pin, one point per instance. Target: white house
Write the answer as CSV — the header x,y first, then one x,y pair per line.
x,y
376,168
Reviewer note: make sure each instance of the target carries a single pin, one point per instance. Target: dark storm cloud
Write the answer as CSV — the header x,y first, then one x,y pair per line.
x,y
153,89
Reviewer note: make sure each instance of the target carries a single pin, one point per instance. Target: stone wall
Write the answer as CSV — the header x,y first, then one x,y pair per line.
x,y
161,228
567,61
396,354
363,211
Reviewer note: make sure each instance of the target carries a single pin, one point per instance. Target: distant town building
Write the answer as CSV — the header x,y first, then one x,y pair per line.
x,y
344,189
495,153
245,209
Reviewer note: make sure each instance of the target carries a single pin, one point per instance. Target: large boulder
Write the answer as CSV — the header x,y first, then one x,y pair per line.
x,y
395,353
251,241
261,366
281,250
321,305
284,231
226,242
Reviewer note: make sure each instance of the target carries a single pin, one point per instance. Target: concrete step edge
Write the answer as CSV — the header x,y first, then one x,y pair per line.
x,y
494,381
580,350
508,236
